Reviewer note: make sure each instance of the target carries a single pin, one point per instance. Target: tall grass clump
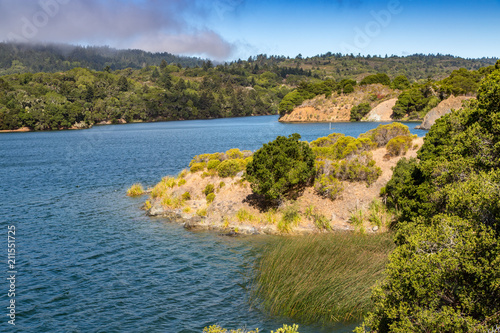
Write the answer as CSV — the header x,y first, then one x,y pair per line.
x,y
290,218
323,278
135,190
244,215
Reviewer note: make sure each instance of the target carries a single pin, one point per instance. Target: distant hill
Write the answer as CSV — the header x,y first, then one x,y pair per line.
x,y
49,58
415,67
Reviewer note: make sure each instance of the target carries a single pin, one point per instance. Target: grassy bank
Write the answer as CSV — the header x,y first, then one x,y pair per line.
x,y
321,278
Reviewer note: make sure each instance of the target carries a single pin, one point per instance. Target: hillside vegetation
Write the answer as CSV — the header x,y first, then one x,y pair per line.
x,y
351,100
50,87
287,186
444,274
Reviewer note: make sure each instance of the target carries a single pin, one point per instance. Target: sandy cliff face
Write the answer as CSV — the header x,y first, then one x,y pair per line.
x,y
382,112
337,107
452,103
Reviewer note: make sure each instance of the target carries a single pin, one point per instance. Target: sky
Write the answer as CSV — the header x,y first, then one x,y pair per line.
x,y
225,30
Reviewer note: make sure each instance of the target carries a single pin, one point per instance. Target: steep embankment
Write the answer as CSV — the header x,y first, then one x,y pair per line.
x,y
452,103
382,112
337,107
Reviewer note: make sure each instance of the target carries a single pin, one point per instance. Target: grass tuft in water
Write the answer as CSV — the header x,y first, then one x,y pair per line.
x,y
321,278
135,190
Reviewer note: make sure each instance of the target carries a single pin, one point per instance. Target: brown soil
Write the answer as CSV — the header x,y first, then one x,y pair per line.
x,y
337,108
236,196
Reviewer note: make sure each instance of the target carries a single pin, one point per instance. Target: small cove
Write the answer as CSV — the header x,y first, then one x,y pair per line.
x,y
89,260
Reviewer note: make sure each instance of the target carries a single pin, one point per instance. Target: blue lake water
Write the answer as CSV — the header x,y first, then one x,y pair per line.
x,y
88,260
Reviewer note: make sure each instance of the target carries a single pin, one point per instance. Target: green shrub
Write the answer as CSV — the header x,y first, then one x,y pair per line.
x,y
208,189
135,190
359,168
182,182
210,198
281,167
400,82
284,329
327,141
234,153
186,196
384,133
270,217
443,277
195,167
376,78
328,187
229,168
359,111
378,214
213,164
341,146
204,158
399,145
222,184
348,88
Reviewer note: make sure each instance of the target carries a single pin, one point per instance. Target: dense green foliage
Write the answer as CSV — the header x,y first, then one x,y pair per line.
x,y
381,78
416,100
32,58
322,278
444,274
18,58
310,90
281,167
359,111
133,85
400,82
83,97
384,133
399,145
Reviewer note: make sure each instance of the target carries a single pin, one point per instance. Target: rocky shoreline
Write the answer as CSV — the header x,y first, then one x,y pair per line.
x,y
232,209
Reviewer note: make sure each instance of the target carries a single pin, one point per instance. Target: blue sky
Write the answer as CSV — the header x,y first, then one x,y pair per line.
x,y
232,29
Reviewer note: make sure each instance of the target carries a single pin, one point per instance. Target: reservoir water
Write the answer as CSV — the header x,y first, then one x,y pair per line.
x,y
89,260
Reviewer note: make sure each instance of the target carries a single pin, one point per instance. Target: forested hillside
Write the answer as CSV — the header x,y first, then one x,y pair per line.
x,y
60,86
415,98
82,97
23,58
33,58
